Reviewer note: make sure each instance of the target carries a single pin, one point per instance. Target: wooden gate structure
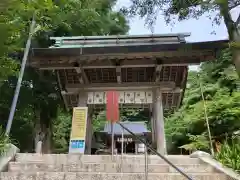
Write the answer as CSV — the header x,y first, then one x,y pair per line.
x,y
149,71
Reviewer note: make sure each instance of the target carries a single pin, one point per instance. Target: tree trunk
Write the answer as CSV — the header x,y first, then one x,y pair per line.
x,y
43,134
236,51
37,130
233,33
47,133
46,148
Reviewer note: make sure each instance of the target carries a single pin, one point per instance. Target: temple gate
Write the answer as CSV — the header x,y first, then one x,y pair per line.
x,y
150,72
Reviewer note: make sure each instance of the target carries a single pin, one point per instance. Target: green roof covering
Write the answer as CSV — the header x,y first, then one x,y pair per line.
x,y
121,40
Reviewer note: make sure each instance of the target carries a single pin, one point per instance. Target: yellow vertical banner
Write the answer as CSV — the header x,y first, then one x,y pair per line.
x,y
78,131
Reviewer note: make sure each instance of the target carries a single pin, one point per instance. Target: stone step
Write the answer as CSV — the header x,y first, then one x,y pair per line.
x,y
108,168
76,158
106,176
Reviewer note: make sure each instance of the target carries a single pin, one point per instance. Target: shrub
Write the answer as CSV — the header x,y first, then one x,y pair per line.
x,y
4,140
229,155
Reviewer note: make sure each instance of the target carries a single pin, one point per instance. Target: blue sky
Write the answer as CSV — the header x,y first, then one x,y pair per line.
x,y
201,29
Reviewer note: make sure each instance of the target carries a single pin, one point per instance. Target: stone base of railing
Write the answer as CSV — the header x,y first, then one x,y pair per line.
x,y
207,158
6,157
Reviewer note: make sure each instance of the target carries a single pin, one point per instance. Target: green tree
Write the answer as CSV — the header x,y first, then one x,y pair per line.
x,y
187,127
4,141
186,9
61,132
7,29
229,154
40,99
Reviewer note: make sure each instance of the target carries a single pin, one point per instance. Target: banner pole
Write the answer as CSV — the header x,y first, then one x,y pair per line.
x,y
112,131
122,143
122,153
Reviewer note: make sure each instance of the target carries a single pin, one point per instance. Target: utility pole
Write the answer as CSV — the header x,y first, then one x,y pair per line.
x,y
21,73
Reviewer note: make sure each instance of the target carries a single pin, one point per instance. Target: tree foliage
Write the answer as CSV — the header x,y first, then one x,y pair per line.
x,y
229,154
4,141
39,102
187,128
61,132
216,10
186,9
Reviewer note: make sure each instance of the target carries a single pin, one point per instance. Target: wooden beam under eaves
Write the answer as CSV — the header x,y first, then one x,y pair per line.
x,y
165,86
158,70
118,64
118,73
82,75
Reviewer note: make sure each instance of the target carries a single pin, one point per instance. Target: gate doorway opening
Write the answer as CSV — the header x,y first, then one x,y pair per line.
x,y
128,147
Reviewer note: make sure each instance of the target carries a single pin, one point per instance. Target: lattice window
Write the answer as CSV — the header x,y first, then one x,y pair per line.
x,y
141,74
105,75
72,76
72,100
176,99
165,73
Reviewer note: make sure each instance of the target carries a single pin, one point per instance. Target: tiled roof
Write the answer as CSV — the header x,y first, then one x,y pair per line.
x,y
135,127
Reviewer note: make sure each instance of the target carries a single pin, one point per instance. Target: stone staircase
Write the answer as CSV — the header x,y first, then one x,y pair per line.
x,y
103,167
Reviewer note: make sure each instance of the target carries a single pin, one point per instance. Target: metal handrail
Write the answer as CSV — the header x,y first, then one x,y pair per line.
x,y
154,151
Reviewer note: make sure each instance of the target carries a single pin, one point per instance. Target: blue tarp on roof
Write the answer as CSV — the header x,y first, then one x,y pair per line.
x,y
135,127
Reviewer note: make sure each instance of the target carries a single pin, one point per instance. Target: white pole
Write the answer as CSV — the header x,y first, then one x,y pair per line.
x,y
112,131
122,142
122,151
21,73
146,162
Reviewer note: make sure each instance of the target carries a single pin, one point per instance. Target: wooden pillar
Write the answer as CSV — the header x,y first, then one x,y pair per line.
x,y
153,125
159,122
89,133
